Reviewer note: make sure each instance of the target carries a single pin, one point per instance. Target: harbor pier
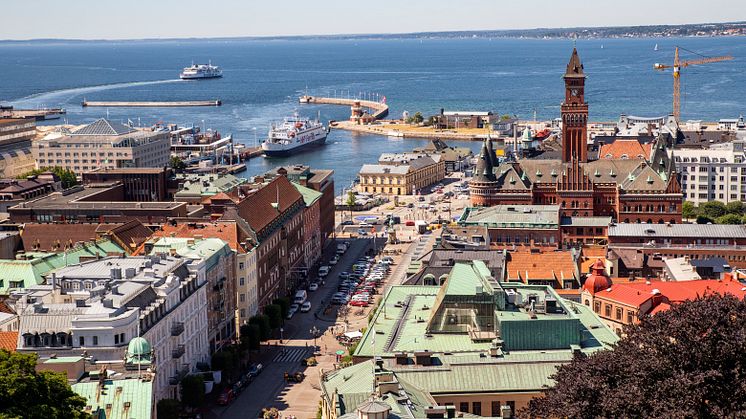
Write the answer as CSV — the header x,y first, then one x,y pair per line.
x,y
111,104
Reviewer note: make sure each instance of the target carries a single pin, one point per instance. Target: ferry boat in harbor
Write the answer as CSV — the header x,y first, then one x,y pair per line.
x,y
201,71
292,135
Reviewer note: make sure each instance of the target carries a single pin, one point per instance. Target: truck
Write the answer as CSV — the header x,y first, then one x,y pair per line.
x,y
300,297
421,226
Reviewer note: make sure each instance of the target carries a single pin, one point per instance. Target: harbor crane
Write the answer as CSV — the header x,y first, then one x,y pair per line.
x,y
677,66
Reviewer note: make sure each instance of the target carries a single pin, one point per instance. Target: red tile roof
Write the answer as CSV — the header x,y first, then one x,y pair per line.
x,y
259,209
536,266
636,293
624,149
54,237
8,341
223,230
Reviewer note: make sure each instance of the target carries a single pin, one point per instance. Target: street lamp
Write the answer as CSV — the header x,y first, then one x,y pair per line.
x,y
315,332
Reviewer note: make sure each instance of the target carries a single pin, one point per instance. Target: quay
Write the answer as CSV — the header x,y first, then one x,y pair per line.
x,y
216,102
250,152
42,114
380,109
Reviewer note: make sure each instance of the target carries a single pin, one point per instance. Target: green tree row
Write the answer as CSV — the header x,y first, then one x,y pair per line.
x,y
67,177
715,212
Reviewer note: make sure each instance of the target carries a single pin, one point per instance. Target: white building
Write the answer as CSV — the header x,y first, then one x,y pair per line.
x,y
715,174
733,124
99,306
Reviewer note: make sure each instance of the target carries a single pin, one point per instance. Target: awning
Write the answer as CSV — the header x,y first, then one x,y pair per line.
x,y
353,335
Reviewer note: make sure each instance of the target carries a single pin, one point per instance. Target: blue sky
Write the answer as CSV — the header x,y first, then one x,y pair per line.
x,y
124,19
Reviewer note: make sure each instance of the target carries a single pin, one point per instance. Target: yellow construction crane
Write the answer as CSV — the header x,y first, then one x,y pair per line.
x,y
677,66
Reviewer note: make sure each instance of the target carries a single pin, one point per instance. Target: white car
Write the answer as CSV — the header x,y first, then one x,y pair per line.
x,y
313,287
306,307
333,260
291,311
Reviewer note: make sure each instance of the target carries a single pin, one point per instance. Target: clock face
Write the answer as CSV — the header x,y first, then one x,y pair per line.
x,y
574,92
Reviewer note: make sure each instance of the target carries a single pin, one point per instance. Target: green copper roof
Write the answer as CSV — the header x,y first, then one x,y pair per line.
x,y
120,399
309,195
19,274
210,249
139,351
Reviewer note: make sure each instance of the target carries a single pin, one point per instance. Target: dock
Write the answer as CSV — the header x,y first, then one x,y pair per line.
x,y
110,104
250,152
41,114
380,109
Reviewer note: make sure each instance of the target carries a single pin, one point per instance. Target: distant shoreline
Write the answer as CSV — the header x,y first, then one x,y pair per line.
x,y
698,30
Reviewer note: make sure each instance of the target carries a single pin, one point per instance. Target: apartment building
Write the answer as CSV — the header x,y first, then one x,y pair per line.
x,y
714,174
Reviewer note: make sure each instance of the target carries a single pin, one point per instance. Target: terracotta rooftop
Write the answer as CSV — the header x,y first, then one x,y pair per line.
x,y
523,266
56,237
261,208
8,341
223,230
636,293
625,149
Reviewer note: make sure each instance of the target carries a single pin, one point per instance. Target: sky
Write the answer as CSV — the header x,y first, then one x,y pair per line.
x,y
137,19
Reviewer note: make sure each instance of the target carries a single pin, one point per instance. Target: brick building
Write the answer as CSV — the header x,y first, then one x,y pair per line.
x,y
629,190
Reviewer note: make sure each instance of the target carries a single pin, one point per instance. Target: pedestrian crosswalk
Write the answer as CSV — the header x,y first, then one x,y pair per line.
x,y
291,355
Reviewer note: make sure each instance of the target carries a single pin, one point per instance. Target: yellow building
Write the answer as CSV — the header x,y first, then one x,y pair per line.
x,y
401,174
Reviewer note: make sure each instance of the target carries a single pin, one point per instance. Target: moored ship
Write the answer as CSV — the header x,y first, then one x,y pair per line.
x,y
292,135
201,71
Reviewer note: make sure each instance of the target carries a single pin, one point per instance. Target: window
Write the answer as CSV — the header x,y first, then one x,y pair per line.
x,y
607,310
240,265
619,313
496,409
463,407
81,340
630,316
116,339
243,298
476,408
95,340
597,307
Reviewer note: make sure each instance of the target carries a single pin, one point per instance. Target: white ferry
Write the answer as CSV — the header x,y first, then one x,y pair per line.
x,y
201,71
293,134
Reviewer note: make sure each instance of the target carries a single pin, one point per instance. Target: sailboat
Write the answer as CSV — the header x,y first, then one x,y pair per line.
x,y
656,47
602,46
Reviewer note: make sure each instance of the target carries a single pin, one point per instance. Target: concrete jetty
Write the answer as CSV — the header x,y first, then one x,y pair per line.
x,y
41,114
380,109
86,103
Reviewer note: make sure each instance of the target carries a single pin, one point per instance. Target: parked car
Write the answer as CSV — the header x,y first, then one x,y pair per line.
x,y
306,307
226,397
255,370
347,223
334,260
291,311
323,271
313,286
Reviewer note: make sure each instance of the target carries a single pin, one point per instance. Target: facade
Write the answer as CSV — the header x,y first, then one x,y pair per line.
x,y
15,146
312,243
14,131
13,191
140,184
628,190
94,204
625,303
215,260
273,215
100,306
714,174
245,256
401,174
465,119
103,144
320,180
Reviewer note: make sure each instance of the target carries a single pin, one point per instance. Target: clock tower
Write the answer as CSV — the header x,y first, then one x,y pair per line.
x,y
574,112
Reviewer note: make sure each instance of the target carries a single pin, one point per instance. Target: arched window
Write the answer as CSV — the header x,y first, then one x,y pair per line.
x,y
587,302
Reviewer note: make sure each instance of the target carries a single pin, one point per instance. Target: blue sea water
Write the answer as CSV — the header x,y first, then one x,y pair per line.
x,y
263,79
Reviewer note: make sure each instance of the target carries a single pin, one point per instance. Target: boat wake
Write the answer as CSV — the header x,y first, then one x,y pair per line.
x,y
59,97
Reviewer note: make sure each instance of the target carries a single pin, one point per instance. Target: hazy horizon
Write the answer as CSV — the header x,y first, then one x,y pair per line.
x,y
168,19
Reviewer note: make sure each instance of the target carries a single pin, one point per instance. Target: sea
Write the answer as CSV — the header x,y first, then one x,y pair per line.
x,y
264,78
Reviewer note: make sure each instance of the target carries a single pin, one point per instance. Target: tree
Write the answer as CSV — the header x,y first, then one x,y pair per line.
x,y
689,210
284,304
262,322
274,313
701,219
418,118
67,177
250,337
735,207
27,393
686,361
227,360
728,219
193,391
168,409
177,163
712,209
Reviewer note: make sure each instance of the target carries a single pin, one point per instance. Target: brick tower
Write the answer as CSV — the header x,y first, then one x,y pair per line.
x,y
574,112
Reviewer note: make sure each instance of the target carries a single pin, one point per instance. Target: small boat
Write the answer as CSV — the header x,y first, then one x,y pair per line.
x,y
540,135
656,47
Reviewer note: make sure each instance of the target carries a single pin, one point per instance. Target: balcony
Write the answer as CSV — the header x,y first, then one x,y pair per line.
x,y
177,328
180,374
178,351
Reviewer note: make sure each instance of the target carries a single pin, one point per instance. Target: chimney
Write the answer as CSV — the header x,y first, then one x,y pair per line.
x,y
116,273
423,358
450,411
108,302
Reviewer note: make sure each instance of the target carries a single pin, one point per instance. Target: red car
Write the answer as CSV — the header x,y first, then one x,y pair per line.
x,y
359,303
226,397
409,223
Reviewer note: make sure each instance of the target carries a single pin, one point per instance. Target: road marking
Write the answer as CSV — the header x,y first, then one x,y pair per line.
x,y
291,355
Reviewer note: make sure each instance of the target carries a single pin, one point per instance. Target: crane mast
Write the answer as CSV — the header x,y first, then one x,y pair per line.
x,y
677,66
